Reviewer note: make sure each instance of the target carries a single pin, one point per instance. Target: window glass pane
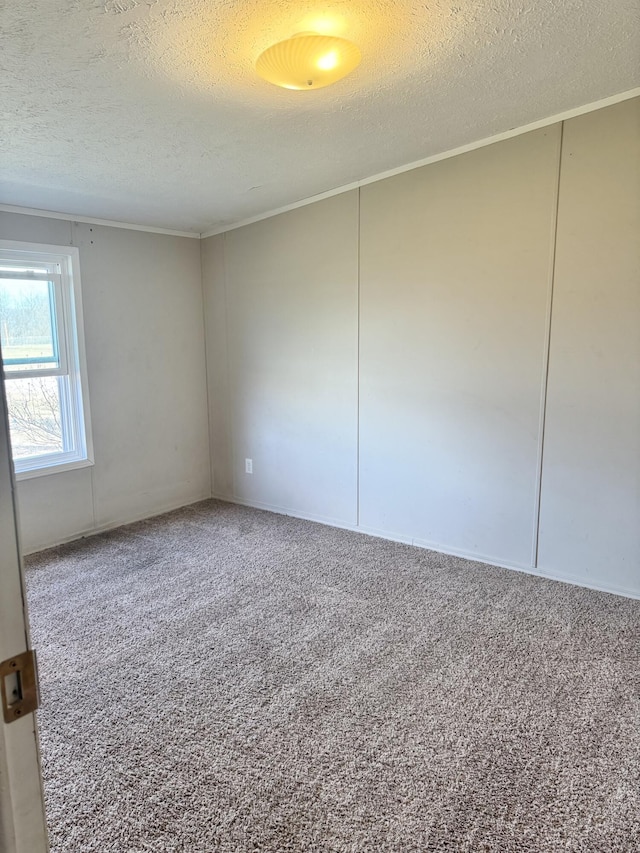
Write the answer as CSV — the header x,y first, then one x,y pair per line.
x,y
27,325
35,416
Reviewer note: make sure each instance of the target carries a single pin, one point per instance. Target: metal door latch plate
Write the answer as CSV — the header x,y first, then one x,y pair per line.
x,y
19,686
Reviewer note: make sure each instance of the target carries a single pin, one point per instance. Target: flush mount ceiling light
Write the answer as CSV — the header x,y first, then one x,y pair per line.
x,y
308,61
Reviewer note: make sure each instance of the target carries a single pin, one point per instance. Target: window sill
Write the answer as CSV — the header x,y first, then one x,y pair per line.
x,y
53,469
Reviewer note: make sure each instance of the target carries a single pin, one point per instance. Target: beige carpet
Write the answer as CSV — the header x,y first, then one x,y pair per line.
x,y
224,679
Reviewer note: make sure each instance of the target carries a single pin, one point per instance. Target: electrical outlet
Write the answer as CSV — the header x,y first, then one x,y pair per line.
x,y
248,466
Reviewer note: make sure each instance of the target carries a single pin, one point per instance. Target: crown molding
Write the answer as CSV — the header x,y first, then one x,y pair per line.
x,y
111,223
445,155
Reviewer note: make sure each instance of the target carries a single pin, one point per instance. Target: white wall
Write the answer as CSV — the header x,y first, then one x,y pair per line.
x,y
284,383
449,383
455,269
142,300
590,507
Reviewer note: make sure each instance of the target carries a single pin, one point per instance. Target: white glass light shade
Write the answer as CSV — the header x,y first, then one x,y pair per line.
x,y
308,61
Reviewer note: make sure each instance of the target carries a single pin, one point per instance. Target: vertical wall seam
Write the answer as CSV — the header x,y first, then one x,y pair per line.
x,y
546,358
208,395
358,369
227,371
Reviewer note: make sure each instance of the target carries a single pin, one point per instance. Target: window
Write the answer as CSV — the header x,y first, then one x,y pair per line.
x,y
43,358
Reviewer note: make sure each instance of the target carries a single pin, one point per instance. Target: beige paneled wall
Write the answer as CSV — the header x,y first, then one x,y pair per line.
x,y
449,304
143,318
144,331
454,274
590,507
291,300
448,382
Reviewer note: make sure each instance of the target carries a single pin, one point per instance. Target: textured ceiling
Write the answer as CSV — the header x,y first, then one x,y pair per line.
x,y
150,111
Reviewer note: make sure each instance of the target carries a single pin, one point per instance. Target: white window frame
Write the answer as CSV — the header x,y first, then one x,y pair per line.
x,y
71,354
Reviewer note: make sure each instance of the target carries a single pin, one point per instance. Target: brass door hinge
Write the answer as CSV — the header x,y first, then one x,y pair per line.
x,y
19,685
